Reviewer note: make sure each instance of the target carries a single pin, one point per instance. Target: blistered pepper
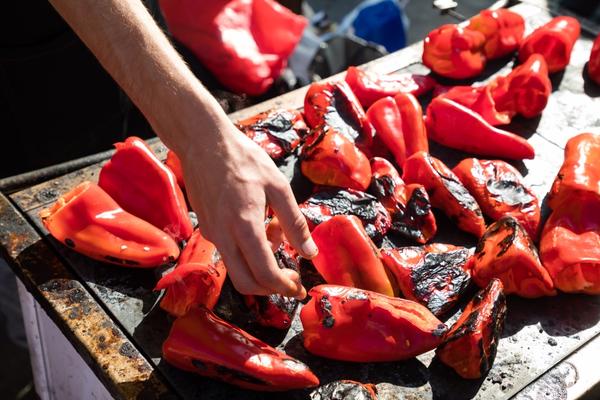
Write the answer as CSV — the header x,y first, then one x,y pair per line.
x,y
329,158
446,191
506,252
202,343
580,172
454,52
458,127
570,246
554,41
370,87
145,187
348,257
433,275
196,280
90,222
408,205
174,163
470,345
503,30
593,66
349,324
278,132
499,190
345,390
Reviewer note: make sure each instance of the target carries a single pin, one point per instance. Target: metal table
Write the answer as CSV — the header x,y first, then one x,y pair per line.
x,y
108,313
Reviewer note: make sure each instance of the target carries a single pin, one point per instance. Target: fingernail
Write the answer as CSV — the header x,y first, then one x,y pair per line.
x,y
309,249
302,294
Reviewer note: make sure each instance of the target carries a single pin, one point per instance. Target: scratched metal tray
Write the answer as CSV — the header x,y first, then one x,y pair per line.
x,y
538,333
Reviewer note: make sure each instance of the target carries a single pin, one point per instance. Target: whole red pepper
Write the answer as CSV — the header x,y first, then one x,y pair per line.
x,y
470,345
480,100
456,126
580,172
202,343
351,324
506,252
348,257
446,191
454,52
554,41
385,117
593,66
499,190
503,30
90,222
174,163
145,187
370,87
413,125
329,158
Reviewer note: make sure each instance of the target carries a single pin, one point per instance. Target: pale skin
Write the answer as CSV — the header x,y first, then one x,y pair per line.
x,y
229,179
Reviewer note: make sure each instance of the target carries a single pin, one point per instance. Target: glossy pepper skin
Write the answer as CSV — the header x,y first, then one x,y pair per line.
x,y
385,117
503,30
480,100
348,257
329,158
446,191
499,190
370,87
145,187
89,221
433,275
408,205
278,132
470,345
507,253
349,324
413,125
196,280
593,66
456,126
454,52
202,343
554,41
580,172
570,246
174,163
345,390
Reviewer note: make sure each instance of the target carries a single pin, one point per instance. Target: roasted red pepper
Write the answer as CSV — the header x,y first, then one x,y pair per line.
x,y
345,390
351,324
593,66
145,187
456,126
470,345
570,245
370,87
503,30
387,121
554,41
432,275
277,131
446,191
196,280
202,343
90,222
499,190
348,257
506,252
325,204
408,205
329,158
174,163
454,52
413,125
580,172
480,100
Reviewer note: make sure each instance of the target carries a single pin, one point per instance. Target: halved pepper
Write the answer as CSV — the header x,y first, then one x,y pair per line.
x,y
593,66
554,41
370,87
433,275
458,127
350,324
499,190
506,252
90,222
408,205
145,187
503,30
470,345
454,52
329,158
202,343
348,257
446,191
